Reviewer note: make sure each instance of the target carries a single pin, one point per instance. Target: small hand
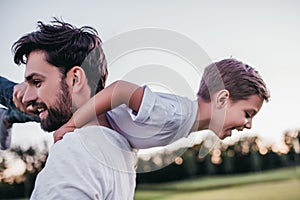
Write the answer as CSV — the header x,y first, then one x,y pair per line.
x,y
59,133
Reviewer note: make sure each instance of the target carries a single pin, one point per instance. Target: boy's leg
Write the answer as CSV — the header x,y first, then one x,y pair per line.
x,y
6,92
11,115
5,131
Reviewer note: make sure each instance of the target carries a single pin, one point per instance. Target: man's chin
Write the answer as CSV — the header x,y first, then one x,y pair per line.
x,y
50,126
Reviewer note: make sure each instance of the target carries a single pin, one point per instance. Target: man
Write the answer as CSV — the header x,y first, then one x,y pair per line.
x,y
63,68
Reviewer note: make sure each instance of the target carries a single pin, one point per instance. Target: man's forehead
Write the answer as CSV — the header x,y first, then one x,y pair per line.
x,y
38,66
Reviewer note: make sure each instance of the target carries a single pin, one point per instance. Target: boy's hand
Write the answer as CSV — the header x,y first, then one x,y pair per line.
x,y
18,94
59,133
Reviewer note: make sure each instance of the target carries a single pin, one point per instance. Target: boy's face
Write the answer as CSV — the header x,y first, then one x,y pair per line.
x,y
239,115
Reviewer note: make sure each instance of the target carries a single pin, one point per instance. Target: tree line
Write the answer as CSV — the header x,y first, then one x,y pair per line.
x,y
245,155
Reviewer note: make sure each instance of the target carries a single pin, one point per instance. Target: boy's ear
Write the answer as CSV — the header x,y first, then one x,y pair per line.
x,y
76,78
222,98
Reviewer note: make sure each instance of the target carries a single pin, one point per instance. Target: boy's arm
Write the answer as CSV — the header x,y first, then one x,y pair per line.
x,y
118,93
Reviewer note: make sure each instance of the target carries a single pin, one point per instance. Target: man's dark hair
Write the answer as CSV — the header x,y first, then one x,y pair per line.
x,y
66,46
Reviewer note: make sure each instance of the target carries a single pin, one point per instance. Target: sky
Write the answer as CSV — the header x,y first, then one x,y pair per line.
x,y
264,34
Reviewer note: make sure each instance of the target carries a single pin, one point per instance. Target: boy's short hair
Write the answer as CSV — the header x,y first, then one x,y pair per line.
x,y
66,46
240,79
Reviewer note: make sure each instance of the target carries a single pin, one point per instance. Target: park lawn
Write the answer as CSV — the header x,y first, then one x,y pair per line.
x,y
228,187
277,190
276,184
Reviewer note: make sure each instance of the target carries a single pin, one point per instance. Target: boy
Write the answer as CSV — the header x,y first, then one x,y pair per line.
x,y
230,95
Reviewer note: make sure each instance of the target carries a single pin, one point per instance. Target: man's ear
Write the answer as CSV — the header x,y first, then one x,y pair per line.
x,y
76,78
222,98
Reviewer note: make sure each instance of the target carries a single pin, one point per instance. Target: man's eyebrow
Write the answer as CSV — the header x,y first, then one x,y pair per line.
x,y
29,77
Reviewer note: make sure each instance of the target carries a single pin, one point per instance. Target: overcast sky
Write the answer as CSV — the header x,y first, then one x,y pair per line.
x,y
264,34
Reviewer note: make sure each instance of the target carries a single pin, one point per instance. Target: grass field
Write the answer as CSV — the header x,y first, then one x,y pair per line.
x,y
280,184
274,185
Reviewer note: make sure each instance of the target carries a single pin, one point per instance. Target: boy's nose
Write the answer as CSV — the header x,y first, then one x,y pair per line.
x,y
248,125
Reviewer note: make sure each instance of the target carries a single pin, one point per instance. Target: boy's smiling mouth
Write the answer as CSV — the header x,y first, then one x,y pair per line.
x,y
228,132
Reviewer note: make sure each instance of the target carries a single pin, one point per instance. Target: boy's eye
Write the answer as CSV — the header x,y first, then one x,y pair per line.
x,y
248,115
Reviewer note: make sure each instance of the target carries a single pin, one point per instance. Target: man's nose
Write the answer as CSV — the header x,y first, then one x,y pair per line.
x,y
29,96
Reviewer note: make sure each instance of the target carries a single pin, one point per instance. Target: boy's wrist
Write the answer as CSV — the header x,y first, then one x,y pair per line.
x,y
71,123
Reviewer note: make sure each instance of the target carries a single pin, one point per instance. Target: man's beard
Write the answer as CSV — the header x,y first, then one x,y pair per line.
x,y
60,112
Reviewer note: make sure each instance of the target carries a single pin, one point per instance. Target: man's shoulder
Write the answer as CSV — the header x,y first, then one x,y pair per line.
x,y
101,137
97,143
92,135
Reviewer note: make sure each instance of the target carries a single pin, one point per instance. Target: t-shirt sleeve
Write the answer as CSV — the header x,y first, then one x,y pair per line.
x,y
161,120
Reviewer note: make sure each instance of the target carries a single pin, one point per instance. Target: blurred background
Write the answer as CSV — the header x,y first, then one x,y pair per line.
x,y
261,163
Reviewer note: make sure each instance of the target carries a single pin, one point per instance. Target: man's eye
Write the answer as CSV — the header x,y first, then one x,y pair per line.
x,y
37,83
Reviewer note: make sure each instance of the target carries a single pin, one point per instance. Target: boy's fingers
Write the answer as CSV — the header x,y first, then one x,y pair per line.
x,y
57,137
59,134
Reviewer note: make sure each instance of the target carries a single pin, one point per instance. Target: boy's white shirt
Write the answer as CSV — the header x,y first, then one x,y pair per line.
x,y
162,119
92,162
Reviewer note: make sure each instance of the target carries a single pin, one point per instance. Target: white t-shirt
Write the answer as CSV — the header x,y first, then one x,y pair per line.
x,y
161,120
93,162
